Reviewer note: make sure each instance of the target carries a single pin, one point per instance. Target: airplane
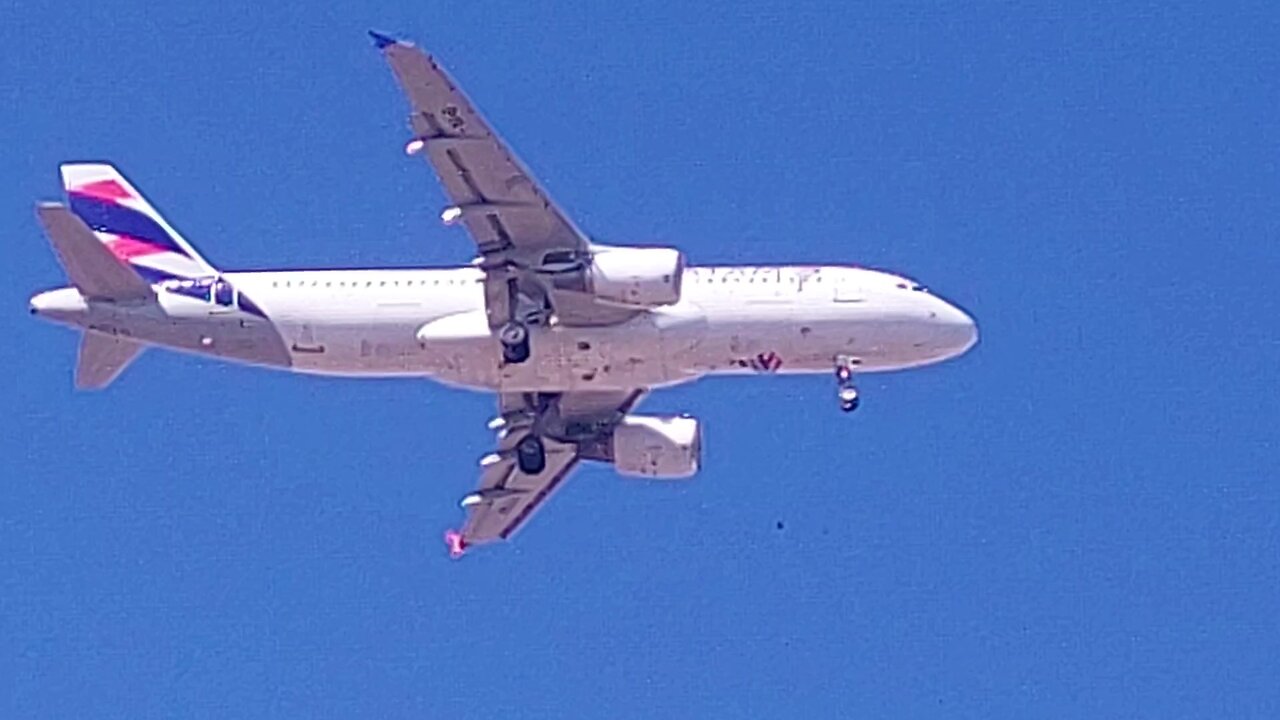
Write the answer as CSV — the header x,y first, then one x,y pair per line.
x,y
570,334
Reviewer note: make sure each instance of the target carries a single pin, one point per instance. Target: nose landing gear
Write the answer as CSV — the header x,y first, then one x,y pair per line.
x,y
849,399
846,390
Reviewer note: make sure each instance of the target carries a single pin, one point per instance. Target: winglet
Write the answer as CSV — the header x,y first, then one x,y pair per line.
x,y
382,40
457,544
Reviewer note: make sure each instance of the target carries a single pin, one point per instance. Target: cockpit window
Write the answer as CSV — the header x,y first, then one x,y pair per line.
x,y
223,293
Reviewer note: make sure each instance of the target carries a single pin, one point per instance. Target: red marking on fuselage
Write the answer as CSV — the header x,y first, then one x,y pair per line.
x,y
766,362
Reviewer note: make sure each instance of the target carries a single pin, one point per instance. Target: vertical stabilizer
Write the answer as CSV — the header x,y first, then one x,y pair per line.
x,y
103,358
128,225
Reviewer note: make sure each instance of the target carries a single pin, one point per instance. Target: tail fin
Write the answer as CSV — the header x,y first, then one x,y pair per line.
x,y
128,225
103,358
92,268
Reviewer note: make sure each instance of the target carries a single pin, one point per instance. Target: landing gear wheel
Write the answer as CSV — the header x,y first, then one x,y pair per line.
x,y
514,355
531,456
849,399
846,391
514,337
513,333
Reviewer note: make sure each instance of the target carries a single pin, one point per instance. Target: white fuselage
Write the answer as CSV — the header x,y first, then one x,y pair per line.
x,y
432,323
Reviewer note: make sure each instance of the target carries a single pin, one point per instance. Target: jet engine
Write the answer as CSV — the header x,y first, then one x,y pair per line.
x,y
636,277
657,447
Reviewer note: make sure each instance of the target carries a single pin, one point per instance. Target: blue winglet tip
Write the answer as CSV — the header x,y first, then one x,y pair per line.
x,y
382,40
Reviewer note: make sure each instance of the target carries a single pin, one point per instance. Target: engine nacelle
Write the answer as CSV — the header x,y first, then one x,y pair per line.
x,y
636,277
657,447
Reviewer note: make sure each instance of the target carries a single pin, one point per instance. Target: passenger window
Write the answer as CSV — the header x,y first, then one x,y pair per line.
x,y
198,289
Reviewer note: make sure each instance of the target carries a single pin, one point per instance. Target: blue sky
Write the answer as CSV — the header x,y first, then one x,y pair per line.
x,y
1078,519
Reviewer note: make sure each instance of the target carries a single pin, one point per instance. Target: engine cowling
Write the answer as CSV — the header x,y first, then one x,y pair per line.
x,y
636,277
668,447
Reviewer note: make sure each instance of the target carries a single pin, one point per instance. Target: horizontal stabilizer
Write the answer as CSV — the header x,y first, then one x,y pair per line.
x,y
92,268
103,358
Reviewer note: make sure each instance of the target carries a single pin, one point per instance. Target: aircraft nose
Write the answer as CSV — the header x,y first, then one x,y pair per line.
x,y
954,330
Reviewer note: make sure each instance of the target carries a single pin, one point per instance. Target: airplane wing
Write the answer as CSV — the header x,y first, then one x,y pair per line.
x,y
571,426
518,229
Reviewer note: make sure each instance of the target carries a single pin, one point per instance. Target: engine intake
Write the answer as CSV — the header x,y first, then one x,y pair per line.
x,y
668,447
636,277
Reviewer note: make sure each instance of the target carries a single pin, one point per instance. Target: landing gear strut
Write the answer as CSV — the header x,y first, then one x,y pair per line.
x,y
523,311
531,455
846,390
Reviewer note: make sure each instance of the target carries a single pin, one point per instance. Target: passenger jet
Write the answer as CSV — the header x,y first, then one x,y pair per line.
x,y
569,334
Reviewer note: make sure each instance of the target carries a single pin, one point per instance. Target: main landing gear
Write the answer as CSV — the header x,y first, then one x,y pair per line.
x,y
531,424
846,390
526,309
531,455
514,337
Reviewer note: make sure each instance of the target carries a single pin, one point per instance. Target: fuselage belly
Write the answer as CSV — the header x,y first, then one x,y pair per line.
x,y
432,323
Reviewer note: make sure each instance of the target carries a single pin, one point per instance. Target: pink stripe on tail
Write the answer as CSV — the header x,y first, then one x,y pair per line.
x,y
104,189
126,248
